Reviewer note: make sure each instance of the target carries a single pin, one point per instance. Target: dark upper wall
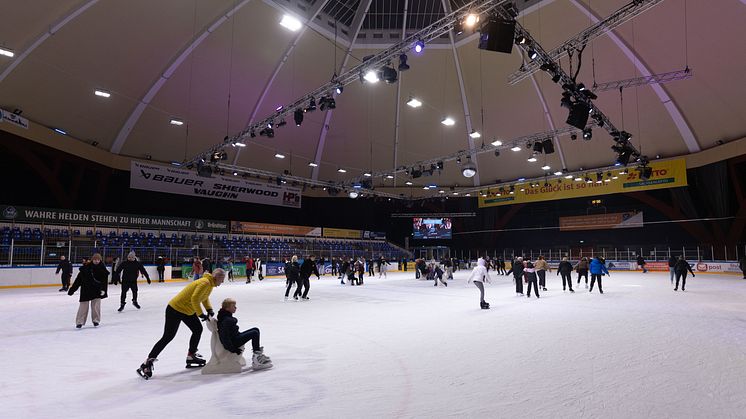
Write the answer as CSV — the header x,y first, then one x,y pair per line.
x,y
37,175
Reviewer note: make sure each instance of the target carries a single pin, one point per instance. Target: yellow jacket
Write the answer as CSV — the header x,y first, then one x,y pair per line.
x,y
541,265
188,300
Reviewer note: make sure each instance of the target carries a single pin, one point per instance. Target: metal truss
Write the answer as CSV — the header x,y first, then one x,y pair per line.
x,y
624,14
640,81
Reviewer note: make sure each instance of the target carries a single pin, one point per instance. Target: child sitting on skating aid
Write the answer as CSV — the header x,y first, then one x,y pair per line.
x,y
233,341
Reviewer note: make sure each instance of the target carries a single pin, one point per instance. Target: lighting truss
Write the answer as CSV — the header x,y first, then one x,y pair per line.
x,y
374,62
624,14
640,81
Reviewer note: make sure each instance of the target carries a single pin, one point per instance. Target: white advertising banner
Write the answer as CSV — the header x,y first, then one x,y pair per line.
x,y
717,267
160,178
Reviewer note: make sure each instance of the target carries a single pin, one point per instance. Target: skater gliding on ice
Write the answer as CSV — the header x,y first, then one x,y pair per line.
x,y
681,268
598,269
67,272
130,270
478,276
92,281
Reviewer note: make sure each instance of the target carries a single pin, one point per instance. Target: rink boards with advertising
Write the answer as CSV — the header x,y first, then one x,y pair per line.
x,y
666,174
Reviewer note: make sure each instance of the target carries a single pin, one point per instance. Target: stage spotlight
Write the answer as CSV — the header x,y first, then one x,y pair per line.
x,y
573,136
298,117
327,102
578,116
587,134
469,169
520,40
311,105
532,54
371,76
471,20
548,146
339,89
419,46
403,66
389,75
599,177
458,27
282,123
538,147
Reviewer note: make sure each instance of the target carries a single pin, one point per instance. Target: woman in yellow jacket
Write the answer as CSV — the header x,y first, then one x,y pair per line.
x,y
186,307
541,267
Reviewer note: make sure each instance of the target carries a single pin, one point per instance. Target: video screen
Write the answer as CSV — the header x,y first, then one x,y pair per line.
x,y
431,228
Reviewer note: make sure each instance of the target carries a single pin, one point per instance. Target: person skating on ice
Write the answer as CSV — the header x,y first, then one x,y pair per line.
x,y
307,269
641,263
529,275
115,279
742,265
478,276
582,269
67,272
517,270
130,270
671,265
598,270
565,269
186,307
541,267
292,277
682,268
438,274
160,267
197,268
92,280
383,266
233,340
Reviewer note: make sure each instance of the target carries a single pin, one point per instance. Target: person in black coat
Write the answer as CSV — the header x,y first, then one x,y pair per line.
x,y
160,266
742,265
67,272
681,269
671,265
130,270
92,282
641,264
517,270
565,268
531,279
292,273
306,270
343,268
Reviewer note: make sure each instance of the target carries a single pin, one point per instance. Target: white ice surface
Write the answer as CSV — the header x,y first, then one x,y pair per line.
x,y
396,347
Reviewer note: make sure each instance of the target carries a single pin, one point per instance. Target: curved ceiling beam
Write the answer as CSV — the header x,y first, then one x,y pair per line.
x,y
314,12
126,129
467,115
44,36
357,24
687,135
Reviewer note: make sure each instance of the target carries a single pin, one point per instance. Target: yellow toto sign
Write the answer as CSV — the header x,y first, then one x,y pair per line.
x,y
666,174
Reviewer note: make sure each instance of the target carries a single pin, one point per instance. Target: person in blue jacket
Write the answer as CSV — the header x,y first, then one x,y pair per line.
x,y
598,269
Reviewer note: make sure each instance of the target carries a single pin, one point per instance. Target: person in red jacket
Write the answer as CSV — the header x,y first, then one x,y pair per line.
x,y
249,269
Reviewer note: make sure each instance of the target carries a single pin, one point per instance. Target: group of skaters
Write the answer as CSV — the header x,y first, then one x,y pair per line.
x,y
354,269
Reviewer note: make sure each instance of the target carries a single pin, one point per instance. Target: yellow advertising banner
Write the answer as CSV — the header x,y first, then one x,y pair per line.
x,y
666,174
342,233
601,221
280,229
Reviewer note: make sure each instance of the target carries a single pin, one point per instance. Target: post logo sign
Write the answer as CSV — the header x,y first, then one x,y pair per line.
x,y
666,174
159,178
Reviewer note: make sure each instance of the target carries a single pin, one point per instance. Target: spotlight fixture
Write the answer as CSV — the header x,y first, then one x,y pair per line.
x,y
291,23
327,102
267,132
419,46
235,173
353,194
371,76
448,121
94,143
474,134
497,143
102,93
520,40
587,134
408,183
599,177
311,105
177,122
545,167
578,179
578,116
497,153
548,146
439,164
148,157
367,174
7,53
414,103
471,20
252,133
389,75
298,117
403,66
59,131
441,191
312,164
515,148
532,54
531,159
538,147
389,176
282,123
341,170
239,144
573,136
339,89
568,176
469,169
279,155
557,173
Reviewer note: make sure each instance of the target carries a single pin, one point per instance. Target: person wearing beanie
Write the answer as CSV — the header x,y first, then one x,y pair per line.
x,y
598,269
130,270
92,280
529,275
478,275
233,340
565,268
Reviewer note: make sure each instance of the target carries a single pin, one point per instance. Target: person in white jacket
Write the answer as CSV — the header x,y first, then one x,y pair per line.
x,y
478,276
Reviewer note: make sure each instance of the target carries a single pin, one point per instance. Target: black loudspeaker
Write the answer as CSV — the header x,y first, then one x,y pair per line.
x,y
497,35
548,145
578,117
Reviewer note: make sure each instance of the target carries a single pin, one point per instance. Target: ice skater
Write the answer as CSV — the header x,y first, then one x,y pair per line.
x,y
565,268
541,267
598,269
67,272
382,266
529,275
478,276
681,268
292,276
671,265
307,269
160,267
641,264
130,270
582,269
437,274
516,269
186,307
742,265
233,340
92,281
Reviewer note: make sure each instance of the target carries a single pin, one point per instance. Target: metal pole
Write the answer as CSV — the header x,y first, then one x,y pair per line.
x,y
699,257
69,249
12,245
41,253
712,253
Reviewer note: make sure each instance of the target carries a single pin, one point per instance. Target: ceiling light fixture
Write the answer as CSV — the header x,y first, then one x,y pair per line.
x,y
279,155
102,93
371,76
341,170
312,164
367,174
177,122
413,102
448,121
531,159
419,46
6,52
545,167
471,20
408,183
475,134
291,23
59,131
497,143
515,148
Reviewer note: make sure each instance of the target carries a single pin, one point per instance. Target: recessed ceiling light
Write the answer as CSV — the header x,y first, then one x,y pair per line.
x,y
101,93
7,52
568,177
389,176
408,183
341,170
557,173
371,76
531,159
448,121
59,131
441,191
516,148
177,122
475,134
312,164
367,174
545,167
291,23
497,143
413,102
280,155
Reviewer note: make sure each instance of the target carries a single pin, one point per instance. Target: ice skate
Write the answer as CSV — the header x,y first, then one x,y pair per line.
x,y
121,307
134,303
95,324
63,289
572,290
146,368
78,326
485,305
195,361
286,298
260,361
543,289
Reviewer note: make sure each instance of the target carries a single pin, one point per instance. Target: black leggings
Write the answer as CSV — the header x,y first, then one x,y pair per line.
x,y
566,280
304,284
542,278
595,278
290,285
682,277
248,335
66,281
173,319
128,286
536,288
583,273
160,275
